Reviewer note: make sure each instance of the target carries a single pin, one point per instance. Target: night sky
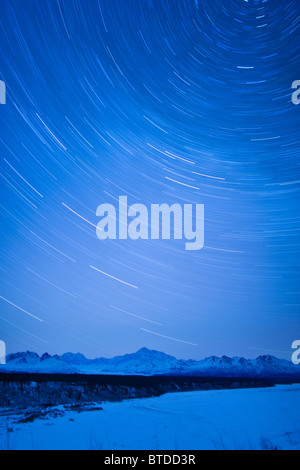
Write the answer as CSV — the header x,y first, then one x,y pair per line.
x,y
162,101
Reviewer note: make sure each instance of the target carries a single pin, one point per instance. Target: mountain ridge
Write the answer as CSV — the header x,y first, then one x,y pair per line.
x,y
150,362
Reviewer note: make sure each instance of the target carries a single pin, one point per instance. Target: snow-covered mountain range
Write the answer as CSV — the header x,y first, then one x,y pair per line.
x,y
147,362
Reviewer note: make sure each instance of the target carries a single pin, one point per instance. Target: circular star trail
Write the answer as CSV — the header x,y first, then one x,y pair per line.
x,y
163,102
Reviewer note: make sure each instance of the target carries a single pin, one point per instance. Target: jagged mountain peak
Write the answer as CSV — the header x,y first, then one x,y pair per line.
x,y
74,358
27,355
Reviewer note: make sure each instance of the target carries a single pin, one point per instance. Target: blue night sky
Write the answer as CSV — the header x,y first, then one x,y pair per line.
x,y
162,101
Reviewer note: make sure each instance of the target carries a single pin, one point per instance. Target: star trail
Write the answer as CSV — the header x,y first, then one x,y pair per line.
x,y
161,101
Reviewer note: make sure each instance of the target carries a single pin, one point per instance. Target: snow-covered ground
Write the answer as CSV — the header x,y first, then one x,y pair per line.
x,y
217,419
